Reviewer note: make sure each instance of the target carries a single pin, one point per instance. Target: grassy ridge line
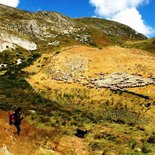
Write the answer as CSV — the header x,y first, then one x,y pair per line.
x,y
147,45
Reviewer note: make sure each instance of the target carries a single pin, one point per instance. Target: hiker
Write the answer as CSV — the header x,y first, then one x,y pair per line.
x,y
18,119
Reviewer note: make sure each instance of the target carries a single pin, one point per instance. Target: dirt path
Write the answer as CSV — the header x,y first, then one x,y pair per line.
x,y
33,141
11,142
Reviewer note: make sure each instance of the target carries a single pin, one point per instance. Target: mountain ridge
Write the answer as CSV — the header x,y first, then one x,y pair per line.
x,y
43,25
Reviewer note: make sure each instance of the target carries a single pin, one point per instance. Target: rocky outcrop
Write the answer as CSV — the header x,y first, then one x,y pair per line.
x,y
10,41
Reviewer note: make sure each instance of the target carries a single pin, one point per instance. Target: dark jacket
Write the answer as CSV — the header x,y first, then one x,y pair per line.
x,y
17,117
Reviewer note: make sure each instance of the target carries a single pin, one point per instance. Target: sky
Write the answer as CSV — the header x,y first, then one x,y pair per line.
x,y
138,14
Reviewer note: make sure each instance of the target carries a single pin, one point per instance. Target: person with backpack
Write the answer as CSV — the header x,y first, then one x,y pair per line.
x,y
15,119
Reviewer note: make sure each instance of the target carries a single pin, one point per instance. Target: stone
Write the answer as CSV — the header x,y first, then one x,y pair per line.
x,y
32,111
138,149
54,43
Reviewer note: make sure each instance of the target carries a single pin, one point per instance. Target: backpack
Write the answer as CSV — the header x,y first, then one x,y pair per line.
x,y
11,118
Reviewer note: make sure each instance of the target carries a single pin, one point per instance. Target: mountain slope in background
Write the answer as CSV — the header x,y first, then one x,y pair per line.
x,y
51,26
67,73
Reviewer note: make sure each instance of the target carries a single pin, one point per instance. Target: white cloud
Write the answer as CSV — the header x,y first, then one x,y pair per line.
x,y
132,18
123,11
13,3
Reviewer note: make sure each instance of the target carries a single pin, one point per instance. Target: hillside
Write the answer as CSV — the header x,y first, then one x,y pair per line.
x,y
49,27
68,73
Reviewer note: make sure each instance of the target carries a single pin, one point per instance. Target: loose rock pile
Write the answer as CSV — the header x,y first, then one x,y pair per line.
x,y
70,70
86,39
121,81
54,43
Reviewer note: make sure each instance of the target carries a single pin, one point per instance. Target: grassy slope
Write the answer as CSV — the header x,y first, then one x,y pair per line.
x,y
100,111
146,45
105,32
15,91
62,107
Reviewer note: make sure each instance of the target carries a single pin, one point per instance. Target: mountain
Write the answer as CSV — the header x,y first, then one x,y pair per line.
x,y
47,27
75,73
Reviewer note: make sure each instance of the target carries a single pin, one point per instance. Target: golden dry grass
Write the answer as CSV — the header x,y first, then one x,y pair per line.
x,y
35,141
108,60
